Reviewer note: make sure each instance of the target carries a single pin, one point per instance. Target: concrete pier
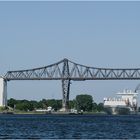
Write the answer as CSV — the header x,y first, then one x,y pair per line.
x,y
3,92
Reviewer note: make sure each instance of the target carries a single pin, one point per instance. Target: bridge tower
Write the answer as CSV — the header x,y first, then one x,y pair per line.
x,y
65,86
3,92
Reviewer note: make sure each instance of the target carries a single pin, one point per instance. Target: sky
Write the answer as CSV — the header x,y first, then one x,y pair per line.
x,y
98,34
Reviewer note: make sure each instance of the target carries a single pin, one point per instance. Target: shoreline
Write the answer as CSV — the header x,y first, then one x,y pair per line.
x,y
58,113
51,113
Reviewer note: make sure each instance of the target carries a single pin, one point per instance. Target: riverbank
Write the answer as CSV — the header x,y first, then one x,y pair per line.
x,y
52,113
57,113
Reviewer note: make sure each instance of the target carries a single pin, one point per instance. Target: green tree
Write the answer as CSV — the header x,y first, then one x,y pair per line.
x,y
100,107
94,107
34,104
59,104
39,105
44,103
24,105
12,102
72,104
52,103
84,102
55,104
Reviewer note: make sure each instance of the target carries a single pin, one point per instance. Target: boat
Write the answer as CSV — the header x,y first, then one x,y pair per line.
x,y
124,104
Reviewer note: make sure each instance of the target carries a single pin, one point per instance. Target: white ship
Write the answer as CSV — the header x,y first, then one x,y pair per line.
x,y
124,103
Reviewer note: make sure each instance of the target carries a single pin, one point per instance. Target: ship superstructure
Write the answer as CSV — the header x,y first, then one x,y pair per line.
x,y
124,103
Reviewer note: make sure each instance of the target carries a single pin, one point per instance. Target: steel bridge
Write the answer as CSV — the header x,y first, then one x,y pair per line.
x,y
66,70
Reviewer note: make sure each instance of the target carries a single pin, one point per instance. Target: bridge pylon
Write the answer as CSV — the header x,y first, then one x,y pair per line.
x,y
65,86
3,92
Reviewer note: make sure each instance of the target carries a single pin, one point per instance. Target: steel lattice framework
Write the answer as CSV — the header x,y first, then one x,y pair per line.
x,y
67,70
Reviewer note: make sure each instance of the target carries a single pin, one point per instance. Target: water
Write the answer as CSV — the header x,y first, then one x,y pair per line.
x,y
69,127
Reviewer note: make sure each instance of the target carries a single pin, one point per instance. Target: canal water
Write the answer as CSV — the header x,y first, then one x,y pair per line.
x,y
69,127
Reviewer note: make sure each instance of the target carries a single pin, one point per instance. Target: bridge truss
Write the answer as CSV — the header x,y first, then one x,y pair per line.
x,y
67,70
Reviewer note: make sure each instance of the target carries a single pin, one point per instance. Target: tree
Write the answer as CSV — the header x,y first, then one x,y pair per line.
x,y
35,104
72,104
44,103
59,104
94,107
55,104
84,102
24,105
100,107
52,103
12,102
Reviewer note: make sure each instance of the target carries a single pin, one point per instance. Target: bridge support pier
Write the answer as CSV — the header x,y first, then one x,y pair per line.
x,y
65,86
3,92
65,92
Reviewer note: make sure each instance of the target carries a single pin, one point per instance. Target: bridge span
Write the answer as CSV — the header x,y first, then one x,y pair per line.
x,y
66,70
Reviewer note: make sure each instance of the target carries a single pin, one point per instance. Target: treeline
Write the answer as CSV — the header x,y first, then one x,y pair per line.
x,y
81,102
25,105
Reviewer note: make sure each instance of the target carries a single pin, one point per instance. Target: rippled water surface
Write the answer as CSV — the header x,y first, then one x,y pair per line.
x,y
69,127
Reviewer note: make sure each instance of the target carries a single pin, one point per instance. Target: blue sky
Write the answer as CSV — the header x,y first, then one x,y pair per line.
x,y
99,34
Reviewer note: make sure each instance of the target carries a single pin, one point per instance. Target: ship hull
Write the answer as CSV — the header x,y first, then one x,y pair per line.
x,y
117,110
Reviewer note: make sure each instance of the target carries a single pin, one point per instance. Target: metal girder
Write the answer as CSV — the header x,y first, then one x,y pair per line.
x,y
76,72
